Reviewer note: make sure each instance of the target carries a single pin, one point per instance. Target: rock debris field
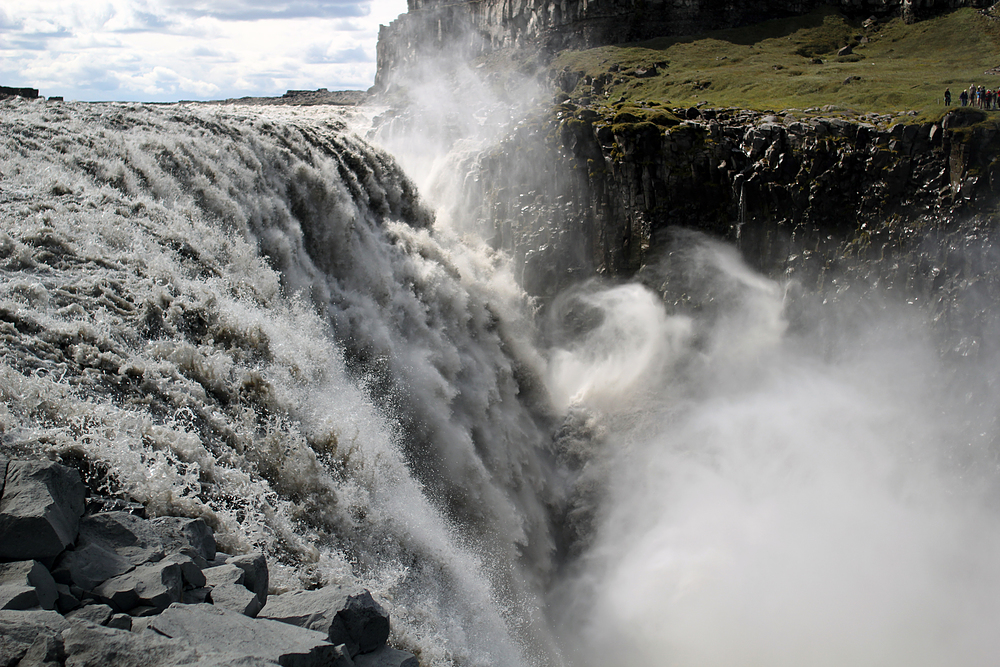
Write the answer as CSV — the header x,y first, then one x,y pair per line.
x,y
110,588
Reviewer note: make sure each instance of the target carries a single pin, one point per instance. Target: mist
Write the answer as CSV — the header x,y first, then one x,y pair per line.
x,y
775,495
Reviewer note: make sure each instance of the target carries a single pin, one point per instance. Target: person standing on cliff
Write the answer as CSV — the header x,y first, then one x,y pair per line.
x,y
947,97
963,97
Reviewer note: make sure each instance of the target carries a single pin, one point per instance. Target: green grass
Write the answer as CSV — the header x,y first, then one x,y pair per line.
x,y
776,65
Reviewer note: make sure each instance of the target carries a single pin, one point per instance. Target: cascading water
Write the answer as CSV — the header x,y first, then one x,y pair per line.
x,y
249,316
202,306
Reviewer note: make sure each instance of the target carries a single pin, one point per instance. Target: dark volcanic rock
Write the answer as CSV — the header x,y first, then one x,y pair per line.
x,y
40,509
192,536
231,634
350,617
26,585
386,656
20,629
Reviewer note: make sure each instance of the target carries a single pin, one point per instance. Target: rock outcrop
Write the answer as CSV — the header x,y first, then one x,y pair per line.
x,y
469,29
121,590
808,195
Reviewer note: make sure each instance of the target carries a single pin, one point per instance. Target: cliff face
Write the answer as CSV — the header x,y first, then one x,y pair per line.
x,y
905,206
476,27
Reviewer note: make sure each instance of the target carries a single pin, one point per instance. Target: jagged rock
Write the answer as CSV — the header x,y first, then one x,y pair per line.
x,y
45,651
26,584
4,461
120,621
66,601
255,568
183,534
350,617
197,596
135,539
229,590
20,629
192,575
386,656
155,585
236,597
89,565
224,574
40,509
98,614
231,634
88,645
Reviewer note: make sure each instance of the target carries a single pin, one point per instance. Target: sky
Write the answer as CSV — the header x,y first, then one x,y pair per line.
x,y
171,50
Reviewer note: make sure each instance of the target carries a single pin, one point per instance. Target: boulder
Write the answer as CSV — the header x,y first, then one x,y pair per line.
x,y
90,565
20,629
229,584
224,574
135,539
89,645
346,616
236,597
226,634
155,585
386,656
190,536
26,584
40,509
45,651
120,621
66,601
255,568
98,614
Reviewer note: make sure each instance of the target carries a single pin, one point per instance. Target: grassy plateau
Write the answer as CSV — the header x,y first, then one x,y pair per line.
x,y
794,64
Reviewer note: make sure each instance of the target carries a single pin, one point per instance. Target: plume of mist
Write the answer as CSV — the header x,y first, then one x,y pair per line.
x,y
775,498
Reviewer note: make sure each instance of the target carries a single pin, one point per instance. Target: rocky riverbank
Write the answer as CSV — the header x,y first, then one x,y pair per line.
x,y
91,581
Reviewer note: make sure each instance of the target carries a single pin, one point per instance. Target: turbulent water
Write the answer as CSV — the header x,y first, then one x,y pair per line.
x,y
251,316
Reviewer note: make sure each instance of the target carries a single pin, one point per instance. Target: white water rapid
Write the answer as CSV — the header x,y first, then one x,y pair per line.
x,y
249,315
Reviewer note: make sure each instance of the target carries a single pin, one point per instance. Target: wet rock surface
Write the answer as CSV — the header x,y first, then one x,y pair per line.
x,y
133,591
805,194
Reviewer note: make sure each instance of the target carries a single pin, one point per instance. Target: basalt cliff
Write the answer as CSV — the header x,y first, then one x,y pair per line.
x,y
819,195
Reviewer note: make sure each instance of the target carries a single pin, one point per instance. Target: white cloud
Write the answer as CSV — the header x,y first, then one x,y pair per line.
x,y
190,49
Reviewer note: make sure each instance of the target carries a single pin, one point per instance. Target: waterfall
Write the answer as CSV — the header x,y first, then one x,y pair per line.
x,y
250,315
244,316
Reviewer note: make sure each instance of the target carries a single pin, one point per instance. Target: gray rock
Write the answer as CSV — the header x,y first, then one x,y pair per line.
x,y
365,621
90,565
45,651
386,656
26,584
236,597
66,601
98,614
154,584
120,621
190,572
3,472
88,645
40,509
133,538
20,629
255,568
181,534
224,574
234,635
197,596
346,616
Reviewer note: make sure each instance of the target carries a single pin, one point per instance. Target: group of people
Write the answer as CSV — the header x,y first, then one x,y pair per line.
x,y
975,96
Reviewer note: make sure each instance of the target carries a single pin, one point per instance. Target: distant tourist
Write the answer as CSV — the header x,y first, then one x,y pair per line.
x,y
964,98
947,97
